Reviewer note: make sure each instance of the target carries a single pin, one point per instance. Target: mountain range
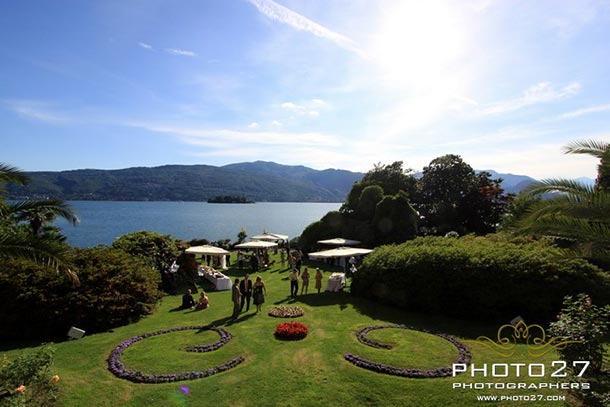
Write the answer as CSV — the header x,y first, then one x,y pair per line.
x,y
259,181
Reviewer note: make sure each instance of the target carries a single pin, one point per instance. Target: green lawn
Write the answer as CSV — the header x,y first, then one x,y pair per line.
x,y
310,372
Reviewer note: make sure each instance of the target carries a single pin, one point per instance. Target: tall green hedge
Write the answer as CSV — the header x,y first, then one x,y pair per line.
x,y
481,278
37,302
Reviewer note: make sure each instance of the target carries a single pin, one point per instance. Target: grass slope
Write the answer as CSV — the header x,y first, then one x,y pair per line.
x,y
310,372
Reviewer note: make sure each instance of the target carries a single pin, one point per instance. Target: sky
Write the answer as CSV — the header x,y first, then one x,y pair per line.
x,y
505,84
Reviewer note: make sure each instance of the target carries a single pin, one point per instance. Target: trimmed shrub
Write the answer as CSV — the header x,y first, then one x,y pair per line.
x,y
484,278
115,289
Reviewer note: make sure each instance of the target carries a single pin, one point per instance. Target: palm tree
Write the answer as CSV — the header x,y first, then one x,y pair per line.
x,y
598,149
15,242
579,213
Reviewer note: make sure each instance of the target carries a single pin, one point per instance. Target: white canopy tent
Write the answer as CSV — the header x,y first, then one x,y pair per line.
x,y
270,237
339,241
210,251
342,253
256,244
339,252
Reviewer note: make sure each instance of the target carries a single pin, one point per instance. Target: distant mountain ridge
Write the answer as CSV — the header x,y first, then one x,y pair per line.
x,y
259,181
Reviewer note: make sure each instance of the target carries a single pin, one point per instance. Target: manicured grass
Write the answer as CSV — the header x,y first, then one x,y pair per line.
x,y
309,372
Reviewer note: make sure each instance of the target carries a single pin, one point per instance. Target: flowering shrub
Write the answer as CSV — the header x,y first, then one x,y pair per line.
x,y
291,331
27,380
588,325
286,311
464,355
119,370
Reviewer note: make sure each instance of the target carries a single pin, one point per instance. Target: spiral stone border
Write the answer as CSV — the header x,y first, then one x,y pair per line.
x,y
118,369
464,355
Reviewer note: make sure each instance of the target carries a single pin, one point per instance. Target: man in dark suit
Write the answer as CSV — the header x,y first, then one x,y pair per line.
x,y
245,289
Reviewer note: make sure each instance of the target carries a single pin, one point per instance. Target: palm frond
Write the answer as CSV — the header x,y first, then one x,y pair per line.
x,y
48,251
550,185
12,174
590,147
24,209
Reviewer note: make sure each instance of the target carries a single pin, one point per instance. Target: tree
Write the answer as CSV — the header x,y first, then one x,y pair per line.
x,y
159,250
391,178
452,197
395,220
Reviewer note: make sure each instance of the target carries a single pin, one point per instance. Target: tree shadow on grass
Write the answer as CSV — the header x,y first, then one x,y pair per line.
x,y
394,315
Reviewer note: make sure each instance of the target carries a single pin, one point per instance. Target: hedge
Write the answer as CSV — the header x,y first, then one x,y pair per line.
x,y
480,278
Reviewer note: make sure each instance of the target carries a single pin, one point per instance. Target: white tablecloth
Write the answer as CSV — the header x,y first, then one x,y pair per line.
x,y
335,282
220,281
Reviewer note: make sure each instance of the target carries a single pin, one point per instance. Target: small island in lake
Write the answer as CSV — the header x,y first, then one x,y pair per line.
x,y
230,199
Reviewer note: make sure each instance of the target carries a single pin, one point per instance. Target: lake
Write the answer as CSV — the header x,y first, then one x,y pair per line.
x,y
103,221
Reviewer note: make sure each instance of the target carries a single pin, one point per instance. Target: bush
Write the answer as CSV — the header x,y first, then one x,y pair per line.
x,y
28,380
483,278
40,303
586,326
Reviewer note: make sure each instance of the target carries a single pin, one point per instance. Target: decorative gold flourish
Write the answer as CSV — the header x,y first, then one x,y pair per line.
x,y
534,336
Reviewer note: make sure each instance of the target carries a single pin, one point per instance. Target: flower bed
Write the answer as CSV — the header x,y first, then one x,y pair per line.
x,y
464,355
291,331
119,370
286,311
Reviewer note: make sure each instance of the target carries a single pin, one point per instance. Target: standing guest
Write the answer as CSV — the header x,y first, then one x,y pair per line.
x,y
204,301
299,263
236,297
318,279
352,262
260,291
282,258
245,289
208,258
228,260
294,283
187,300
305,278
254,262
240,259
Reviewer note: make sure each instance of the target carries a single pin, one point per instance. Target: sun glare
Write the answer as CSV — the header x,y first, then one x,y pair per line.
x,y
417,43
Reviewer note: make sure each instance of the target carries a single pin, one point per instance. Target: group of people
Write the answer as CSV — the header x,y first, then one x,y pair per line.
x,y
189,302
294,275
243,291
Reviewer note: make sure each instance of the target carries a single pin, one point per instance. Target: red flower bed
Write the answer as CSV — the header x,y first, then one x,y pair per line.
x,y
291,331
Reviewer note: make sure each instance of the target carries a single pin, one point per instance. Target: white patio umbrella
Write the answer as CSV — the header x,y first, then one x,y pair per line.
x,y
211,251
339,241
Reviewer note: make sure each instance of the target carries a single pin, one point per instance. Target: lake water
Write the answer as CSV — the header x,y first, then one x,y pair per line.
x,y
103,221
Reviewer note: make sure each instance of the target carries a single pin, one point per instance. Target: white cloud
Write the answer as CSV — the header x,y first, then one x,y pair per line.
x,y
175,51
276,123
313,113
145,45
319,102
284,15
542,92
35,110
585,111
291,106
253,125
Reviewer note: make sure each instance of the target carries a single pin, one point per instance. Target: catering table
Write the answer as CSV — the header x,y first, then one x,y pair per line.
x,y
336,282
220,281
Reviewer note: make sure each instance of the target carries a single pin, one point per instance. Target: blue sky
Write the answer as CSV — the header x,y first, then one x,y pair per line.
x,y
327,84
